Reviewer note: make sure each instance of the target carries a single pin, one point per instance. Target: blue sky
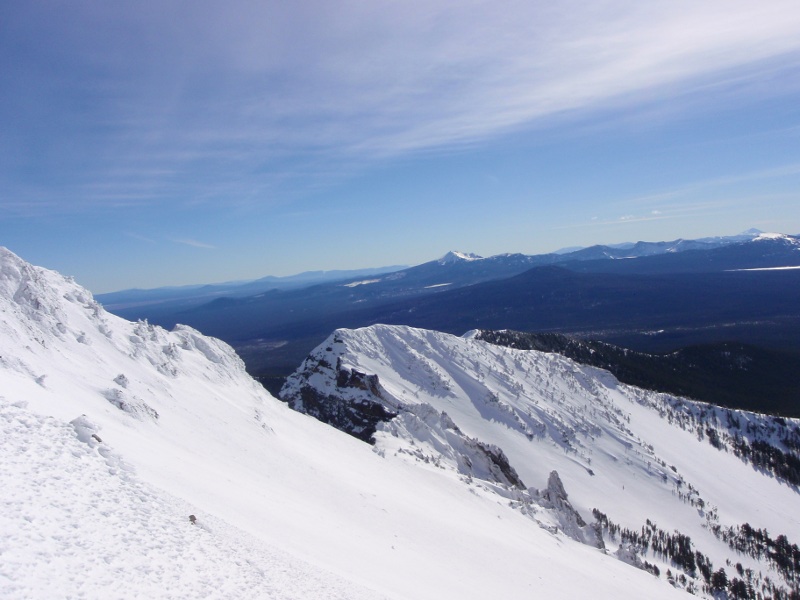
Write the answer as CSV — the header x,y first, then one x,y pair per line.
x,y
165,143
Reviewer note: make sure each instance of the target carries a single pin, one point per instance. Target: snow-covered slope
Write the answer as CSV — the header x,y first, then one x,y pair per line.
x,y
659,466
142,463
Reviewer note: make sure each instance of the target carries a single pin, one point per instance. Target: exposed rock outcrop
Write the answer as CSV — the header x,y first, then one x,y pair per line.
x,y
554,497
354,404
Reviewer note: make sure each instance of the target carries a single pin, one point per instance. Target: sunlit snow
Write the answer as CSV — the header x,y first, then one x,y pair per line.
x,y
144,463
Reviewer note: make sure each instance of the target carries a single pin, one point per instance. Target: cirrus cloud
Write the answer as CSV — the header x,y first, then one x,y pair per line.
x,y
204,102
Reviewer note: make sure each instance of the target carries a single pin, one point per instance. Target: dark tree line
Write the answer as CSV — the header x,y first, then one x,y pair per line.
x,y
678,549
728,374
757,543
767,457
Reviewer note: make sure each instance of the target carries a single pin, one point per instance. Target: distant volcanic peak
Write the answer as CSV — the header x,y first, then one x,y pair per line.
x,y
456,256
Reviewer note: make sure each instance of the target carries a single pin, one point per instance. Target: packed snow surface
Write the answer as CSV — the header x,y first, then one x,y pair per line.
x,y
142,463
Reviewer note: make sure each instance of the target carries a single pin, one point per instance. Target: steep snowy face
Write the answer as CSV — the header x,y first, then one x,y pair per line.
x,y
671,484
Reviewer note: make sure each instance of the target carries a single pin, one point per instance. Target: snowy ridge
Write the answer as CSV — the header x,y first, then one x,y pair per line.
x,y
630,459
788,239
142,463
51,318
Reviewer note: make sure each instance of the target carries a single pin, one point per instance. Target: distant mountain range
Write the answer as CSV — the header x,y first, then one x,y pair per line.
x,y
687,291
182,297
649,302
172,299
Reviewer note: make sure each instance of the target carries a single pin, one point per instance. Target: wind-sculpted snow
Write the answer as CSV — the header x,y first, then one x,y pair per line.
x,y
51,309
636,456
144,463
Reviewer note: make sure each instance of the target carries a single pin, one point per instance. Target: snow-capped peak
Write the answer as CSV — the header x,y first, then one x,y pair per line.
x,y
455,256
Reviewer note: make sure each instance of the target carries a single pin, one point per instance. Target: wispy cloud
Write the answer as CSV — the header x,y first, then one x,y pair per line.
x,y
692,210
232,102
193,243
624,219
670,196
141,238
